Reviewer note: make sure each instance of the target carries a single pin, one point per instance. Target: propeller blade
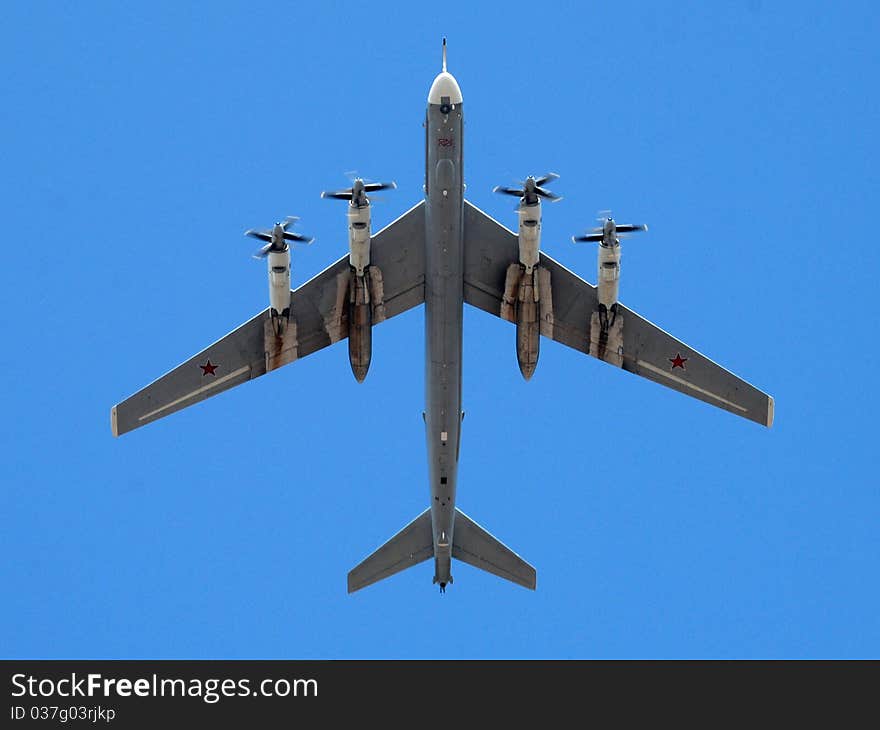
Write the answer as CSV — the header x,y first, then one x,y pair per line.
x,y
352,175
337,194
547,194
263,252
288,219
374,187
261,235
508,191
549,177
629,227
289,236
587,238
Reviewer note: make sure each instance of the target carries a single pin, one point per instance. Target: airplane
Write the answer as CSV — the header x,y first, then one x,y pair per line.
x,y
443,252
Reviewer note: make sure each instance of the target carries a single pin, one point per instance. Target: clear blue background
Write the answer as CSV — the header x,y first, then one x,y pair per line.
x,y
139,141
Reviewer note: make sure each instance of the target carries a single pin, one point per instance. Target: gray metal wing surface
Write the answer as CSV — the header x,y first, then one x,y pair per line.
x,y
569,316
412,545
474,545
319,319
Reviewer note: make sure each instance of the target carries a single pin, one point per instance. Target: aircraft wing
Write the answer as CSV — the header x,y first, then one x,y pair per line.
x,y
319,318
633,343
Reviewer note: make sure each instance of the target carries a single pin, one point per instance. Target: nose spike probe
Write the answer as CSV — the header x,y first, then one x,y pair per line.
x,y
444,53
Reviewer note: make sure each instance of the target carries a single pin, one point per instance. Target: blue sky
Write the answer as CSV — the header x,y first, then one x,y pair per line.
x,y
141,140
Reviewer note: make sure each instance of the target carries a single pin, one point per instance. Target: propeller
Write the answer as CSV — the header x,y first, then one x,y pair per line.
x,y
531,189
277,236
357,193
598,233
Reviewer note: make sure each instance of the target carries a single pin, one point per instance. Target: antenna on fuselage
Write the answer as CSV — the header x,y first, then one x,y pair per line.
x,y
444,53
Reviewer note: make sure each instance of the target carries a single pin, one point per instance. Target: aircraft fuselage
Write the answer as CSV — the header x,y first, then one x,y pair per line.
x,y
444,262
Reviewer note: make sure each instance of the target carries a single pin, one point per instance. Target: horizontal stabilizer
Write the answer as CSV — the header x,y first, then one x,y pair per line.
x,y
475,546
412,545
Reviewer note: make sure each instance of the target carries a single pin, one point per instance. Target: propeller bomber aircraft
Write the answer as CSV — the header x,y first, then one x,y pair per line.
x,y
443,252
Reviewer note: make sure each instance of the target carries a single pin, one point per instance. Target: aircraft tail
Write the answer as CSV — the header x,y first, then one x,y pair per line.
x,y
415,543
475,546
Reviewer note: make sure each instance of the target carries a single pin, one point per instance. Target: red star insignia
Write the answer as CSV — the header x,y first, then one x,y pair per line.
x,y
678,361
208,368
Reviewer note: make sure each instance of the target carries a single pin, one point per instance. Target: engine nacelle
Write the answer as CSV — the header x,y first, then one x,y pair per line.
x,y
523,305
360,324
279,282
529,235
528,324
608,279
359,237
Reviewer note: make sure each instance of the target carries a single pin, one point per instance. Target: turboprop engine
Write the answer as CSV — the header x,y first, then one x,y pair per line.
x,y
523,284
277,251
365,281
609,264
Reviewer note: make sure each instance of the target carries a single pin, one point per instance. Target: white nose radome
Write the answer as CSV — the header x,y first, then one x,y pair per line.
x,y
444,85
